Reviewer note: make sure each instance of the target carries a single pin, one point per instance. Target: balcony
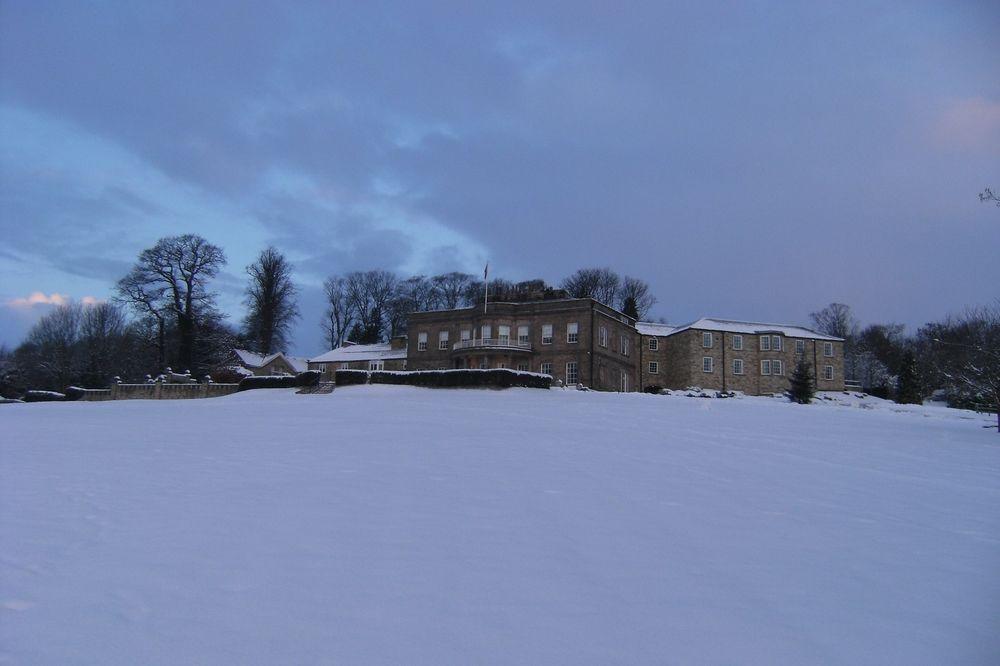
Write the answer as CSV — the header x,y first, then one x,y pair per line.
x,y
505,344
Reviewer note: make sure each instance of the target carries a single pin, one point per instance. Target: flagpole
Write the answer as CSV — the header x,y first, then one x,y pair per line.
x,y
486,281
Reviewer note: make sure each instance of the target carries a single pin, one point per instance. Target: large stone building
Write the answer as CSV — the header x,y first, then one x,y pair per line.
x,y
581,341
727,355
576,340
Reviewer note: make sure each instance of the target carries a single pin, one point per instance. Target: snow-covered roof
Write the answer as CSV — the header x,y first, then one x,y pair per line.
x,y
753,328
248,358
652,328
252,360
345,354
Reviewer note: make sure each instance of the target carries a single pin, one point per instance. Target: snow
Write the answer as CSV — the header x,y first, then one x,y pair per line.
x,y
248,358
352,352
752,328
397,525
652,328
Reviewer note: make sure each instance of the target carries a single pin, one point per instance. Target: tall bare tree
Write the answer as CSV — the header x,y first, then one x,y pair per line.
x,y
104,342
452,289
601,284
170,280
270,299
414,294
339,316
369,293
51,350
635,297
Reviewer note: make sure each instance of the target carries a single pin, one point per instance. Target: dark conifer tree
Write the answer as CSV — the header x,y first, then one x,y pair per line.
x,y
802,388
629,308
908,389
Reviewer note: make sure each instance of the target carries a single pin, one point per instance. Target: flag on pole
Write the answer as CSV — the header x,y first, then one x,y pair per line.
x,y
486,284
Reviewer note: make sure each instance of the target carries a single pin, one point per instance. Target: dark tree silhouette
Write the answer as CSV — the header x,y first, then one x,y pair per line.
x,y
270,299
169,281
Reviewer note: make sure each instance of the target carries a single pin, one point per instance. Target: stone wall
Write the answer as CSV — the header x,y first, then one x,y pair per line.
x,y
160,391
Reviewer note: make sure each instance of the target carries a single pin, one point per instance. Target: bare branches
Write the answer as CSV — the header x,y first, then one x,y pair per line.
x,y
270,299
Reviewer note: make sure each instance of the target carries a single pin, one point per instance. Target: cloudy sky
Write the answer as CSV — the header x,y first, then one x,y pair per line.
x,y
750,160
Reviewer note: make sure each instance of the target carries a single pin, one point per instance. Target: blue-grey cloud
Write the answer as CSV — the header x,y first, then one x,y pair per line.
x,y
747,160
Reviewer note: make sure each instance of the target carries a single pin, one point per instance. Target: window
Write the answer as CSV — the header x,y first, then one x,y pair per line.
x,y
603,337
765,343
504,334
421,341
623,381
376,365
522,367
738,342
572,376
828,372
487,332
654,368
546,369
828,349
482,363
523,335
776,368
500,365
776,343
737,366
443,340
707,364
546,334
765,367
706,340
800,346
623,345
466,335
654,344
345,366
572,332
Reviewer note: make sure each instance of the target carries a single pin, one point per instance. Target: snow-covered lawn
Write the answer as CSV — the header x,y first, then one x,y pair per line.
x,y
394,525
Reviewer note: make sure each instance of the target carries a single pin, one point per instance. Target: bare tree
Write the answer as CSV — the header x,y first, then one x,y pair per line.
x,y
635,298
836,320
414,294
339,316
989,195
104,342
51,348
369,293
270,297
601,284
452,289
170,280
970,356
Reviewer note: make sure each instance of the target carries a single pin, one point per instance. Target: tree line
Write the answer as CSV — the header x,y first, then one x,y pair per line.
x,y
959,355
164,314
372,306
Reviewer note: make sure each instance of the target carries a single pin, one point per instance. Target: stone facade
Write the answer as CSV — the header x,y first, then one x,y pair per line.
x,y
756,363
576,340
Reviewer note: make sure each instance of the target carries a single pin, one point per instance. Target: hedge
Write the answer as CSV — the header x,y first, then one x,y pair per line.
x,y
350,377
307,378
495,378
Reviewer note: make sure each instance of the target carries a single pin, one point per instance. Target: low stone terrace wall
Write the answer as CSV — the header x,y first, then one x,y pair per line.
x,y
160,391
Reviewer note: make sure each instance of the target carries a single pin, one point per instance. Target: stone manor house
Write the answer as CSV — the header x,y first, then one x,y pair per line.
x,y
581,341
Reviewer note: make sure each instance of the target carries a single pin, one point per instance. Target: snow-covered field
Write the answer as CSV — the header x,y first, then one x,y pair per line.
x,y
394,525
